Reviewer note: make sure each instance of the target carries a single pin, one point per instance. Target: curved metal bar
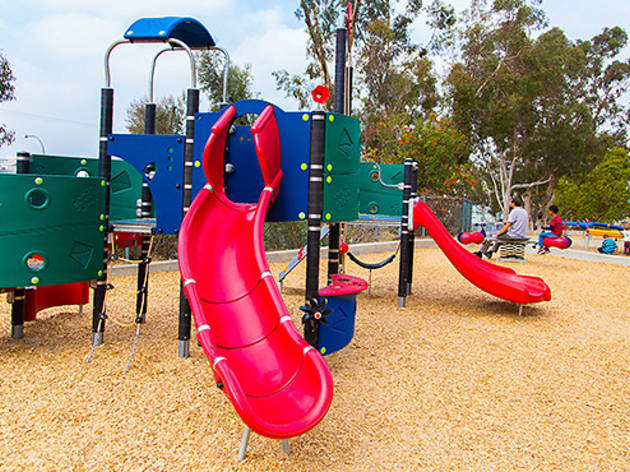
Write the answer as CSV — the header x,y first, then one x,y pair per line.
x,y
191,56
152,76
378,166
226,70
108,77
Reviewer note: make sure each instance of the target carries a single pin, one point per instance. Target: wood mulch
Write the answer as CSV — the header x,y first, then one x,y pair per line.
x,y
454,381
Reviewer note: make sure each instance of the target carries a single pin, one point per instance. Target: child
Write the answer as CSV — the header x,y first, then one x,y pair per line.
x,y
609,246
626,238
555,225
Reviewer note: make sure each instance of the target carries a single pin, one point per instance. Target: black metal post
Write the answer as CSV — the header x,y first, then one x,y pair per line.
x,y
413,195
192,107
315,192
339,101
142,295
105,173
18,307
404,236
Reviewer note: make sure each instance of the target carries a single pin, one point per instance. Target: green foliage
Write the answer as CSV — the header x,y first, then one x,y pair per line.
x,y
169,116
438,147
211,69
601,194
393,70
6,94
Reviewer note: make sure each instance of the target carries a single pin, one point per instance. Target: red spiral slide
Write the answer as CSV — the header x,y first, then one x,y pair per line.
x,y
280,386
497,280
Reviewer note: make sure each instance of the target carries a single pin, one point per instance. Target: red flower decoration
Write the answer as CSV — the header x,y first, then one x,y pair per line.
x,y
320,94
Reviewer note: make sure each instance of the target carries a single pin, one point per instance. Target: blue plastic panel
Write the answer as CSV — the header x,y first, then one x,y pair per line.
x,y
246,183
340,329
188,30
167,153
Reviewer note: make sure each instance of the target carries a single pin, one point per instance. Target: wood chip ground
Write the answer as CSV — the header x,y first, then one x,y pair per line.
x,y
455,381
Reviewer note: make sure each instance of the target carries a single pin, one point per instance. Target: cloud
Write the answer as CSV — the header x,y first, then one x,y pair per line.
x,y
278,48
131,8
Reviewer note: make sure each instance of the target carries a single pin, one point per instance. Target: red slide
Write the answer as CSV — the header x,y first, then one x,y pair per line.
x,y
280,386
497,280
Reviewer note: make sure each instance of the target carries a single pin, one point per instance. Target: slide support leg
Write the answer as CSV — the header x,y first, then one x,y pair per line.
x,y
285,447
244,441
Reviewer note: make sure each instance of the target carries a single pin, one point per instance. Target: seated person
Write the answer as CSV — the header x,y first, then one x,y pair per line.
x,y
515,228
609,246
555,227
626,239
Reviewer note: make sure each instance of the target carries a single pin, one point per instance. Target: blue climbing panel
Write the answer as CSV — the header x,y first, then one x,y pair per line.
x,y
340,329
245,183
165,153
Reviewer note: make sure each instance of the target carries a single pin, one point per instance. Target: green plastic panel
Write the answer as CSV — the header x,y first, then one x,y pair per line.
x,y
51,230
340,198
374,198
341,168
126,186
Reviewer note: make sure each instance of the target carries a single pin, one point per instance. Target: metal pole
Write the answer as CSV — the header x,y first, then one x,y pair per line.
x,y
315,191
339,100
18,307
142,293
104,172
192,107
413,194
404,236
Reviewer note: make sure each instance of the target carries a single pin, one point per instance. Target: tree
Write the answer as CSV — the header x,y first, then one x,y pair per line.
x,y
7,90
440,150
601,195
381,31
240,79
517,97
169,116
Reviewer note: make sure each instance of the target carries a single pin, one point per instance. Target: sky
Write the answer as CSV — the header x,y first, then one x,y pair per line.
x,y
56,51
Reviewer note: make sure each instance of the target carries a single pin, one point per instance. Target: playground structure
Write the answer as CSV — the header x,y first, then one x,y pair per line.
x,y
308,169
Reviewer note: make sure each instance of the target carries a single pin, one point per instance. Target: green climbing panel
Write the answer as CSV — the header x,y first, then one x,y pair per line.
x,y
126,186
341,168
376,199
51,229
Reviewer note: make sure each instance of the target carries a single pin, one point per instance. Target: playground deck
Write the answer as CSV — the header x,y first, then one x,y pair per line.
x,y
455,381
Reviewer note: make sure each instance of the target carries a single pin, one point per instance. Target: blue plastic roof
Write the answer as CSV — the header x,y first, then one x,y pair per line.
x,y
188,30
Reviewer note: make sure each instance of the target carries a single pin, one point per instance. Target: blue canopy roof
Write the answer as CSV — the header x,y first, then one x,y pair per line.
x,y
188,30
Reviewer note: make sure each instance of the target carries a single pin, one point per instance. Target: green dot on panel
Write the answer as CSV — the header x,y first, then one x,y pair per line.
x,y
328,216
101,228
323,350
35,280
331,118
100,273
329,167
170,150
329,179
102,183
83,162
303,166
301,215
39,181
197,163
305,117
102,217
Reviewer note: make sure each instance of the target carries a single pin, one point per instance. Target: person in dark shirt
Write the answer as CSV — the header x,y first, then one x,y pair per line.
x,y
553,230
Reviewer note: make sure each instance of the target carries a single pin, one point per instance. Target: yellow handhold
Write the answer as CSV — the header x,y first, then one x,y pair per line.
x,y
305,117
39,181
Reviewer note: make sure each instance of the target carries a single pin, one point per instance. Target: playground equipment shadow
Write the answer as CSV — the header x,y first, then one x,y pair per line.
x,y
455,381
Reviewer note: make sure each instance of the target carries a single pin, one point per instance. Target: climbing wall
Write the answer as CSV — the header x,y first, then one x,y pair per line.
x,y
51,229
